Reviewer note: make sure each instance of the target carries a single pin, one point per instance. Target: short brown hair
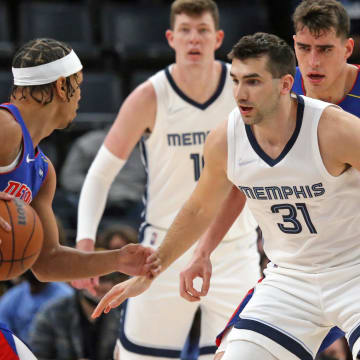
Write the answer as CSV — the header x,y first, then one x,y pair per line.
x,y
322,15
281,57
194,8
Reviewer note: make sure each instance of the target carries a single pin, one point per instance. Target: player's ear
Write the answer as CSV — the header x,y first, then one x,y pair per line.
x,y
169,34
349,47
60,86
286,83
219,38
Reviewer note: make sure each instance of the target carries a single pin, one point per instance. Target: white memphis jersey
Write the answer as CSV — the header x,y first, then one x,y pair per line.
x,y
310,219
173,153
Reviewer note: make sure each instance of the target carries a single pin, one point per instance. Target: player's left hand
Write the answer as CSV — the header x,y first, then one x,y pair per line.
x,y
133,261
200,266
120,292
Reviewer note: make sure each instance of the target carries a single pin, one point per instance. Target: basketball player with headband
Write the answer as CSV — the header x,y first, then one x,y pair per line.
x,y
45,96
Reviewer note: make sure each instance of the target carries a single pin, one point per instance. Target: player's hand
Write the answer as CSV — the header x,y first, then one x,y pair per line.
x,y
154,264
91,283
133,261
120,292
4,224
200,266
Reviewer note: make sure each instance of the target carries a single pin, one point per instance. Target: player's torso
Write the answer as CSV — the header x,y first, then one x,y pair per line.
x,y
350,103
308,217
25,180
174,151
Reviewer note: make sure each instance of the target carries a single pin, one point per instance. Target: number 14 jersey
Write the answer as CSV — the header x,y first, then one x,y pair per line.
x,y
309,218
173,153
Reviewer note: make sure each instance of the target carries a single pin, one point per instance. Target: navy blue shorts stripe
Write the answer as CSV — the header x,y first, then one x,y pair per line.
x,y
275,335
353,337
334,334
139,349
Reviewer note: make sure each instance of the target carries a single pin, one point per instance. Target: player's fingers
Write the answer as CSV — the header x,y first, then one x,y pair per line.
x,y
153,259
190,297
5,196
5,225
115,303
205,284
105,301
189,284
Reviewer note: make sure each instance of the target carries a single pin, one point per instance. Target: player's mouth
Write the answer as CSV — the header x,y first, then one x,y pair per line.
x,y
315,78
245,110
194,53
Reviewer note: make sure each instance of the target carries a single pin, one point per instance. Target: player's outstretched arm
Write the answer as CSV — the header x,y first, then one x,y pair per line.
x,y
61,263
120,292
136,115
192,220
10,139
200,264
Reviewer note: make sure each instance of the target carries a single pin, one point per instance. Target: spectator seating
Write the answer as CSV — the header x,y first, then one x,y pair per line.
x,y
60,20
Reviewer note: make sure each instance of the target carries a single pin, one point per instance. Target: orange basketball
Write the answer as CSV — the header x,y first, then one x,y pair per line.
x,y
20,247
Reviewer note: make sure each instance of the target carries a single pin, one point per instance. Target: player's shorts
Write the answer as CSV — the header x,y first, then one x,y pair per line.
x,y
157,322
294,314
11,348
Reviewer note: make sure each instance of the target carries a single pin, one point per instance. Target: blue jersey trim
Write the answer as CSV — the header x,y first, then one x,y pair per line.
x,y
207,103
262,154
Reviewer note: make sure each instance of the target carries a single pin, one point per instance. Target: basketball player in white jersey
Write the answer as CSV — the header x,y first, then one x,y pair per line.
x,y
297,161
174,110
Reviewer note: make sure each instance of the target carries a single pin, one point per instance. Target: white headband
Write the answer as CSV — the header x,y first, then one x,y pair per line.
x,y
47,73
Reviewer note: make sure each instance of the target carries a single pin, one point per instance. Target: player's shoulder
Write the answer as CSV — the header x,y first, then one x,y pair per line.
x,y
11,132
144,92
336,123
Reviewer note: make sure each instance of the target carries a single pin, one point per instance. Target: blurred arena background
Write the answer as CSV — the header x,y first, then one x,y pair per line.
x,y
121,43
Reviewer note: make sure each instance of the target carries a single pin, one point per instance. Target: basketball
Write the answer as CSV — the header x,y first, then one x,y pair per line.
x,y
20,247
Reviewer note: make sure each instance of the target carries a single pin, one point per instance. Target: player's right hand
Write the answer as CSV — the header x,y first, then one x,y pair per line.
x,y
91,283
4,224
199,266
120,292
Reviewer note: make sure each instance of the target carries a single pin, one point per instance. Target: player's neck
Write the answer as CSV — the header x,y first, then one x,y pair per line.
x,y
37,118
198,82
339,89
274,132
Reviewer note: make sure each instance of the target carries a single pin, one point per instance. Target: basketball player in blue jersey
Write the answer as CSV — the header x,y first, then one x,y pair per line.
x,y
322,46
45,96
174,110
296,159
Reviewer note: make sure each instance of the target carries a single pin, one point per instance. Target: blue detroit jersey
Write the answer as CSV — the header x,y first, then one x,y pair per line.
x,y
350,102
26,179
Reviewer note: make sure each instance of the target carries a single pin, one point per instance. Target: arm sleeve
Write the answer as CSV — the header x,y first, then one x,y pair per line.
x,y
94,192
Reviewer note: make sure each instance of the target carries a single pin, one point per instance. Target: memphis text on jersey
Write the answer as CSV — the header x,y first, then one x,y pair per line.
x,y
283,192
